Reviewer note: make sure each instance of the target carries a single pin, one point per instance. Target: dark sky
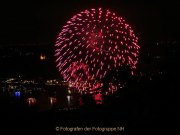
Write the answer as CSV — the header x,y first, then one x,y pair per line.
x,y
40,22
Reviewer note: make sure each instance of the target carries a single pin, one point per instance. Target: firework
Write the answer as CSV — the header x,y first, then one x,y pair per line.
x,y
92,43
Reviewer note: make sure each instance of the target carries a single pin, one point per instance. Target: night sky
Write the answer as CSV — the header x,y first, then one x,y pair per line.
x,y
40,22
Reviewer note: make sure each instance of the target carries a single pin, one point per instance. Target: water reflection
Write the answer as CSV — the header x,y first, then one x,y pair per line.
x,y
52,100
98,98
69,100
31,101
50,97
17,94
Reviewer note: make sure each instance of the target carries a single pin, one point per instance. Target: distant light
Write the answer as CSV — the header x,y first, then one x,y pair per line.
x,y
69,91
69,99
98,98
53,100
31,101
17,94
42,57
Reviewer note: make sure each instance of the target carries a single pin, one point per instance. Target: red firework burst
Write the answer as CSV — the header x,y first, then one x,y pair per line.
x,y
92,43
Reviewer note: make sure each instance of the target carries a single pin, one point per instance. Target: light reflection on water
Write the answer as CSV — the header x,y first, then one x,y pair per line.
x,y
53,99
46,103
69,100
31,101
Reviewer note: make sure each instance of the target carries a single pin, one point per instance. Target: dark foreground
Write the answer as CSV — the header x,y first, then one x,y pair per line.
x,y
146,108
149,115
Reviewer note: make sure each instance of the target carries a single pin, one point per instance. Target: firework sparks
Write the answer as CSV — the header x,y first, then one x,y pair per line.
x,y
92,43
